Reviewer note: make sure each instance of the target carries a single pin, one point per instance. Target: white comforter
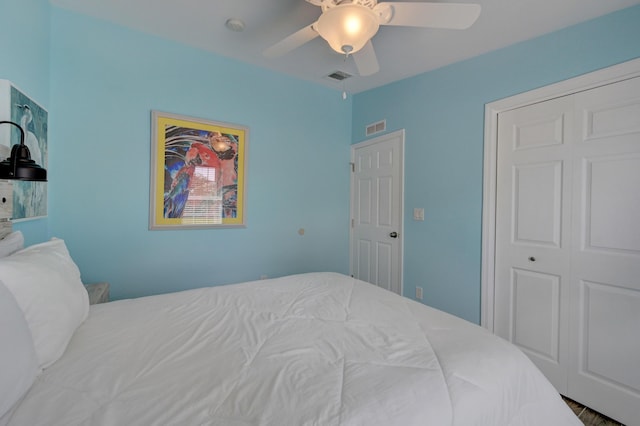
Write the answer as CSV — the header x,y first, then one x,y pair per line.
x,y
312,349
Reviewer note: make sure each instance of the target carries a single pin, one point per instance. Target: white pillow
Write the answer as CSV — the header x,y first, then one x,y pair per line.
x,y
46,284
18,361
11,243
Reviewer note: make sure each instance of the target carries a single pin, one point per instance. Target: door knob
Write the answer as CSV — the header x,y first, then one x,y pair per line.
x,y
393,235
532,259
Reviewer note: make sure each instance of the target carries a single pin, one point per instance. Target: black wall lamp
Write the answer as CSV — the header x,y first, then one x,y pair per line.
x,y
19,165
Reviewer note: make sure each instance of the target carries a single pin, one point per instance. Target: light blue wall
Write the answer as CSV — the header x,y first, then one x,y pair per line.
x,y
105,80
443,114
24,60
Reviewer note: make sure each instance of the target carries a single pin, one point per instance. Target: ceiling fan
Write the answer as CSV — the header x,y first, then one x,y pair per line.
x,y
349,25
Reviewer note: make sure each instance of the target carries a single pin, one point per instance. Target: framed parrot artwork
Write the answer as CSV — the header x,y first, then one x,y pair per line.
x,y
198,172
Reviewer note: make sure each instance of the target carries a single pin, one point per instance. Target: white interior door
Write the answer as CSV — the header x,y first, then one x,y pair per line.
x,y
567,265
605,328
376,211
533,233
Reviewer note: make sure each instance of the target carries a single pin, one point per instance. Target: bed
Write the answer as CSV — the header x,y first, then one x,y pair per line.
x,y
308,349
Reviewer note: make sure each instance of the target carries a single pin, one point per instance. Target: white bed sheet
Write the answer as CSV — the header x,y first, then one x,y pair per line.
x,y
311,349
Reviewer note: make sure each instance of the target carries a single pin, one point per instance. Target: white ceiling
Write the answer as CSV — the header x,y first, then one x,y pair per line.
x,y
402,52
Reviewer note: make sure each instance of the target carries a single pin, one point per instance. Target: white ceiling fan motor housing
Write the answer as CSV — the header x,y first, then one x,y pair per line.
x,y
327,4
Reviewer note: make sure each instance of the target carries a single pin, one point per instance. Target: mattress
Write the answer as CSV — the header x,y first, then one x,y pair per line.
x,y
310,349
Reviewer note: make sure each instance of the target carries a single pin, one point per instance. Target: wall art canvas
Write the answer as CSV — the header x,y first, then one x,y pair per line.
x,y
198,170
29,198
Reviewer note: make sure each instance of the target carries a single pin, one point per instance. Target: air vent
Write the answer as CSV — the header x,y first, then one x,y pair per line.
x,y
339,75
378,127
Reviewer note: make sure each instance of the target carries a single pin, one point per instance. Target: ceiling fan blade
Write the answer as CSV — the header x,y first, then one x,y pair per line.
x,y
458,16
366,60
291,42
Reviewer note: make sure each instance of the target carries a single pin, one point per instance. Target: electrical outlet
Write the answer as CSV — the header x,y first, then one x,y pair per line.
x,y
419,293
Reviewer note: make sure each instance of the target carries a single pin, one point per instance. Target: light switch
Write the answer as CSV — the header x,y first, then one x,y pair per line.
x,y
418,214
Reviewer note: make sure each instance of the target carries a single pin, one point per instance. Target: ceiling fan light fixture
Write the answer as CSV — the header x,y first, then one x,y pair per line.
x,y
348,27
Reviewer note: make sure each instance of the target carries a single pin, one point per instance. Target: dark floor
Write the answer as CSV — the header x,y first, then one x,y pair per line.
x,y
588,416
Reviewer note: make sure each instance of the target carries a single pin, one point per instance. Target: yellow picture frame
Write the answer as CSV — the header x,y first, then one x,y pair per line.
x,y
198,173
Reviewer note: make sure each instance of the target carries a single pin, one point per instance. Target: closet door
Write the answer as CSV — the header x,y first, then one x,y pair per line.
x,y
533,208
604,372
567,271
